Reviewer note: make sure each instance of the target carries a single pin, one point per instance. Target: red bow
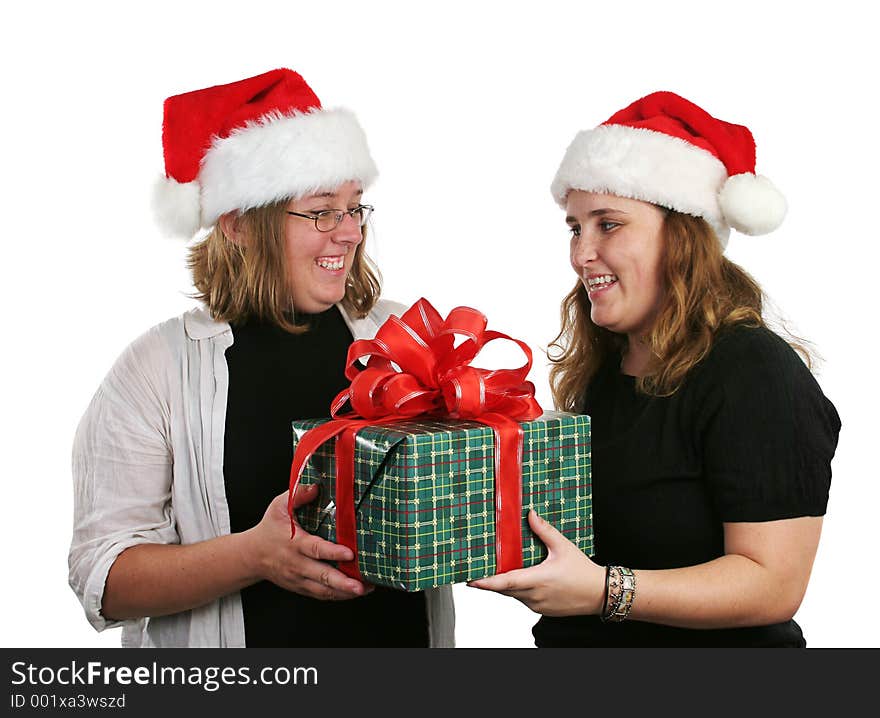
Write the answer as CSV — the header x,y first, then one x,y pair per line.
x,y
415,369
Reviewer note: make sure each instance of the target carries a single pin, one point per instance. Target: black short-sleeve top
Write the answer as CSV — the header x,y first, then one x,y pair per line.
x,y
749,436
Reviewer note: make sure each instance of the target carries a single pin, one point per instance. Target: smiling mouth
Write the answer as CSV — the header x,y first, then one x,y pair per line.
x,y
595,284
333,264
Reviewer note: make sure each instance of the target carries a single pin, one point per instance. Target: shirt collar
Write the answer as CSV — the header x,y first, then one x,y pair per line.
x,y
199,324
360,328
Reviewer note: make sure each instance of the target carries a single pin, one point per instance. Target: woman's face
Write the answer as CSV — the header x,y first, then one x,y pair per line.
x,y
319,262
616,250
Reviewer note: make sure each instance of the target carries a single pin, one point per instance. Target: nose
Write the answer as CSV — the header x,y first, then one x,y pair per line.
x,y
348,231
583,250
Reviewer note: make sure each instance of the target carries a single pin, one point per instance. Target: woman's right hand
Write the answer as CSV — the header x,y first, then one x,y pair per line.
x,y
566,583
300,564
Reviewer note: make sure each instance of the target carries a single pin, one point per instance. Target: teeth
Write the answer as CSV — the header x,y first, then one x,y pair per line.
x,y
332,264
603,280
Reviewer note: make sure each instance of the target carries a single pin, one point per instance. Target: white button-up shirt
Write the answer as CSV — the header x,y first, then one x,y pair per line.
x,y
148,468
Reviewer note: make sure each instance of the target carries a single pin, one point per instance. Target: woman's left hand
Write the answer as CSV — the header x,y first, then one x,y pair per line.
x,y
566,583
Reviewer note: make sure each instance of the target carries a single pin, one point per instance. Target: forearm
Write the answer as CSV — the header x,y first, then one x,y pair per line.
x,y
729,592
160,579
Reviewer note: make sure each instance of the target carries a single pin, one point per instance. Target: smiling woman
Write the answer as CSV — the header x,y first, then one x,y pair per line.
x,y
181,463
711,441
322,253
616,247
264,263
682,290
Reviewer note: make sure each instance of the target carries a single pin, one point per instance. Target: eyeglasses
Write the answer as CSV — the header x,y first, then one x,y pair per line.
x,y
329,219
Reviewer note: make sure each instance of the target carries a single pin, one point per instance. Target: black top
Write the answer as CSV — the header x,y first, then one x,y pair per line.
x,y
749,436
275,377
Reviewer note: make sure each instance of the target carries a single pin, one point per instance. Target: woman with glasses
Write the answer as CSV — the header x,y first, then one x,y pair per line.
x,y
711,440
182,460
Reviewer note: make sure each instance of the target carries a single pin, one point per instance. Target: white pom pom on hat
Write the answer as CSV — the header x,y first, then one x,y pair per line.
x,y
666,150
176,207
751,204
250,143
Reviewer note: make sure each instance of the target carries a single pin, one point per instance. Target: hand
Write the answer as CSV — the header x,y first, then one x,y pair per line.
x,y
298,564
566,583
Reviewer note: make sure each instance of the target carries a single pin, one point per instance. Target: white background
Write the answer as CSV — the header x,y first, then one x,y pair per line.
x,y
468,108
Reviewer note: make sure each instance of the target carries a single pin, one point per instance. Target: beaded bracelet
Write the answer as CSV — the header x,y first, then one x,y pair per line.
x,y
620,593
612,592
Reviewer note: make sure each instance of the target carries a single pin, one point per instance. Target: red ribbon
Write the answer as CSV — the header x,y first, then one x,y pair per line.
x,y
415,369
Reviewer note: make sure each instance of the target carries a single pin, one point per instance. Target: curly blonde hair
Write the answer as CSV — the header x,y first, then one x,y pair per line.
x,y
238,282
704,293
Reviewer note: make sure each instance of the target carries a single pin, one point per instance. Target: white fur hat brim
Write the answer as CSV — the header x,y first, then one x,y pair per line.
x,y
646,165
275,158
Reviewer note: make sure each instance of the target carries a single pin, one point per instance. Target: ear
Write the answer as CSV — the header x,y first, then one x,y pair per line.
x,y
231,225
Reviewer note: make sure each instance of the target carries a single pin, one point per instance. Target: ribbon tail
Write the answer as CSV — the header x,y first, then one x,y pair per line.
x,y
346,525
307,446
508,490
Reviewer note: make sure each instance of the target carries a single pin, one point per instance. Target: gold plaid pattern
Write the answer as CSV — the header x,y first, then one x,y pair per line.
x,y
425,495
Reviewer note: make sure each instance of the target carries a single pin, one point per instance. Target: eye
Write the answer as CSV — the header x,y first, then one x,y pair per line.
x,y
575,230
607,226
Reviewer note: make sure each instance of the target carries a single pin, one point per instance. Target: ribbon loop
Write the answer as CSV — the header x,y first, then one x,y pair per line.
x,y
464,392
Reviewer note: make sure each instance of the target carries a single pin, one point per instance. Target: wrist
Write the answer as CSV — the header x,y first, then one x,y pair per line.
x,y
603,606
251,555
597,608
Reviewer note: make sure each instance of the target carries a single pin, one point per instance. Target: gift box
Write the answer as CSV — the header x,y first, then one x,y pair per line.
x,y
425,496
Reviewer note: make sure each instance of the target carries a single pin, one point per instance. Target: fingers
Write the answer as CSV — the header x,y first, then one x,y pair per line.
x,y
545,531
522,584
304,568
318,590
513,581
324,581
296,571
319,549
301,564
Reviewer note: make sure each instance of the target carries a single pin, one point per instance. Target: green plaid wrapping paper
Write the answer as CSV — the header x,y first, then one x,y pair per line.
x,y
425,495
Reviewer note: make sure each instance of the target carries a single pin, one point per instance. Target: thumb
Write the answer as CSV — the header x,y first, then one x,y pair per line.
x,y
304,494
545,531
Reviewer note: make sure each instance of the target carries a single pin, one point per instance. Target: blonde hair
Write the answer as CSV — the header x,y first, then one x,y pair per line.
x,y
704,293
238,282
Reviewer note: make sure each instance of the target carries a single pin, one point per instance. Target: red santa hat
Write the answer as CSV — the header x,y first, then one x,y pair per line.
x,y
668,151
250,143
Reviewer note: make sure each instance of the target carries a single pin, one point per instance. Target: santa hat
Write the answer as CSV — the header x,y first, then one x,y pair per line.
x,y
668,151
250,143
